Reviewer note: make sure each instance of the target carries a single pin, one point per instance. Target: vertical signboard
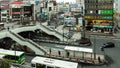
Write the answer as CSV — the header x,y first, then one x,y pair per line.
x,y
80,21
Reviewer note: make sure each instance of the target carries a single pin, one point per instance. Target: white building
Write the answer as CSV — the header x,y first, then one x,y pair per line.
x,y
4,16
117,11
117,6
80,4
63,7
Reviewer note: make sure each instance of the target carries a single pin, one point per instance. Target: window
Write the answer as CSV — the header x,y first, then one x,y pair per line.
x,y
97,12
40,65
3,14
43,66
91,12
16,9
49,67
85,11
33,65
11,57
50,8
22,55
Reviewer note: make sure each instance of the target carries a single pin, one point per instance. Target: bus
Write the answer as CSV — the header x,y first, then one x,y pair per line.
x,y
43,62
13,56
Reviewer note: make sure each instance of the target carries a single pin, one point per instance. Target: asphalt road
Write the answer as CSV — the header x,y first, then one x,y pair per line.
x,y
112,53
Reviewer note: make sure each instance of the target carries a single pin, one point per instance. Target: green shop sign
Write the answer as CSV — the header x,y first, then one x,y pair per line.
x,y
107,17
107,12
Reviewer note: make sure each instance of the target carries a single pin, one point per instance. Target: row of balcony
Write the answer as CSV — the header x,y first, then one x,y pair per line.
x,y
99,1
105,6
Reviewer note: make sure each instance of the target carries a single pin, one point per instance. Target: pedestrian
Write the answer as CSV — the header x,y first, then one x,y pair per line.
x,y
99,60
8,28
50,50
59,53
68,54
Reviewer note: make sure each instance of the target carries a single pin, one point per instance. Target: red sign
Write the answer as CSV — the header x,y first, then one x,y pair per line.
x,y
17,2
15,12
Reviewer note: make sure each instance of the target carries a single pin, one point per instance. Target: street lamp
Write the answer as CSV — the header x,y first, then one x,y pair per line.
x,y
63,32
102,49
94,48
14,45
21,15
64,25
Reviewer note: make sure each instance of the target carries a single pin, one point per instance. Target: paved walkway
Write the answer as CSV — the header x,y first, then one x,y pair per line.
x,y
81,57
105,35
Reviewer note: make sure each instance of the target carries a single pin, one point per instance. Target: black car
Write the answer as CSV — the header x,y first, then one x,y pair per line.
x,y
108,45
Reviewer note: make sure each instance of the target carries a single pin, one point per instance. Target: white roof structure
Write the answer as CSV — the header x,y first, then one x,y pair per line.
x,y
54,62
10,52
80,49
1,23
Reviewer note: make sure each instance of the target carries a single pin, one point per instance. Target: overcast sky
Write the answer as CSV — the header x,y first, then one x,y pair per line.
x,y
66,1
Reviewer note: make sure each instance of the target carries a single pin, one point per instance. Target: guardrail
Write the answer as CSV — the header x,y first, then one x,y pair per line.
x,y
17,36
57,42
36,45
55,31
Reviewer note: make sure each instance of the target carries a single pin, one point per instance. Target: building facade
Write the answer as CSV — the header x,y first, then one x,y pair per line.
x,y
117,12
19,10
117,6
4,5
99,15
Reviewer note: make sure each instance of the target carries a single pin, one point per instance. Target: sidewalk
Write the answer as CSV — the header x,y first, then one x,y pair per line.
x,y
100,34
106,35
86,58
117,35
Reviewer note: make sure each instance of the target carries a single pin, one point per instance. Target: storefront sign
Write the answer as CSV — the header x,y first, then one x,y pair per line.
x,y
99,17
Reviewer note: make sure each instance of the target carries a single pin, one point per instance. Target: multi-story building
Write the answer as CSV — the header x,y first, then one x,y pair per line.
x,y
117,12
47,7
99,15
81,5
4,5
19,10
117,6
51,6
4,16
63,7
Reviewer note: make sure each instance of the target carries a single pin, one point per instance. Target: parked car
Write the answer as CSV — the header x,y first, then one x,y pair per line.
x,y
108,45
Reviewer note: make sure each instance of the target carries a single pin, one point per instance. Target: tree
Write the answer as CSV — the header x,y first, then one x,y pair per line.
x,y
4,63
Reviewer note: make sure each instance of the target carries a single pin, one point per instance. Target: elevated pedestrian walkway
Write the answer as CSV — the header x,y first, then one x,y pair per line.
x,y
35,47
43,28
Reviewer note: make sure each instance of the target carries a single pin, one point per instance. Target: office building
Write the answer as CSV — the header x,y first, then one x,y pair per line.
x,y
99,15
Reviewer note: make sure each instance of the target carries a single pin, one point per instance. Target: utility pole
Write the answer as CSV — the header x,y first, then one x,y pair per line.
x,y
84,41
63,29
34,11
94,47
